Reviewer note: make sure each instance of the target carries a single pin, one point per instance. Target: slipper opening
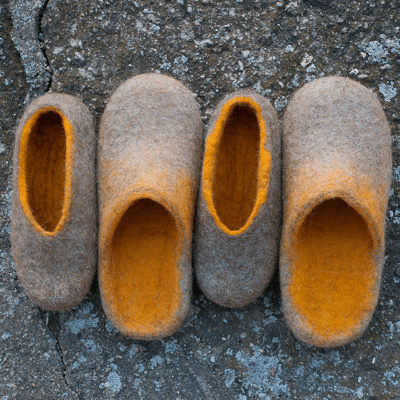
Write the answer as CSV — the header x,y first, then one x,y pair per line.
x,y
144,282
333,272
43,165
236,168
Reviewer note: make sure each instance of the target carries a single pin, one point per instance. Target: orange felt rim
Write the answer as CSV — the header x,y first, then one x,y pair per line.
x,y
210,157
22,182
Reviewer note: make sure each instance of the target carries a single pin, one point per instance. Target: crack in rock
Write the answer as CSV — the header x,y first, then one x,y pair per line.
x,y
46,317
28,39
42,45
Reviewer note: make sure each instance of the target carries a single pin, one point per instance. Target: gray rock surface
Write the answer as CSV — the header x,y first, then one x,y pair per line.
x,y
28,39
273,47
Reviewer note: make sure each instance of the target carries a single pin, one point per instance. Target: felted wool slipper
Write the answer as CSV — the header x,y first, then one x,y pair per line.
x,y
150,148
238,219
53,222
336,184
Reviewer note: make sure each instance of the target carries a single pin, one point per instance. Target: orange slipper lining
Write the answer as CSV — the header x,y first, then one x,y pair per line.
x,y
333,271
236,166
44,170
144,290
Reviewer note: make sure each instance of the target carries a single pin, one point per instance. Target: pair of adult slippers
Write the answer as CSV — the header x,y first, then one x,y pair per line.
x,y
335,185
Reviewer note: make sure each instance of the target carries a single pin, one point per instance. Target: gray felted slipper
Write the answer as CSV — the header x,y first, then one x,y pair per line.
x,y
150,148
53,222
336,183
238,219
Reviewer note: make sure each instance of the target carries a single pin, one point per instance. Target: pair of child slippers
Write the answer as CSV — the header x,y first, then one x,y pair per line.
x,y
335,187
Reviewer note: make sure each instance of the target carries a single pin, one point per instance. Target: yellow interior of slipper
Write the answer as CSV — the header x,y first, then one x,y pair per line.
x,y
44,167
236,167
144,289
235,179
333,272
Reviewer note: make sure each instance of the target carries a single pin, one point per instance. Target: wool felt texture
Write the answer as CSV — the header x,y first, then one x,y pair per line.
x,y
336,183
54,205
150,148
238,220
